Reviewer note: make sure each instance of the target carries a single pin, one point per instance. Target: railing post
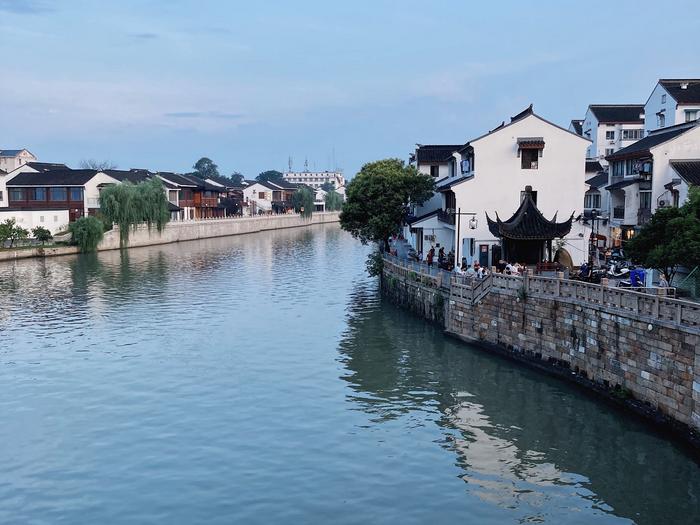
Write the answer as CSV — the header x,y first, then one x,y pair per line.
x,y
655,311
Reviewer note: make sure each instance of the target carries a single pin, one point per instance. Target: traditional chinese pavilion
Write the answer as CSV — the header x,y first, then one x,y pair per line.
x,y
527,236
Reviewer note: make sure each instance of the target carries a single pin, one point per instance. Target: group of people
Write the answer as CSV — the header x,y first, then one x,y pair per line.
x,y
444,261
510,268
475,271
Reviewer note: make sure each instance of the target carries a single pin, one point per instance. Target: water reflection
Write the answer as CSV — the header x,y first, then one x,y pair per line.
x,y
523,441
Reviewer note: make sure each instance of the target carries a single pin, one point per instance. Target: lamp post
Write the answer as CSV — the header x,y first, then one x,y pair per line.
x,y
473,223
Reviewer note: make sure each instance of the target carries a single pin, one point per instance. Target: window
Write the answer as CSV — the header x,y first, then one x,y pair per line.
x,y
691,115
261,195
55,218
16,194
663,98
41,218
0,195
529,158
435,171
645,200
632,134
39,194
618,169
610,135
609,151
661,120
76,194
592,200
58,194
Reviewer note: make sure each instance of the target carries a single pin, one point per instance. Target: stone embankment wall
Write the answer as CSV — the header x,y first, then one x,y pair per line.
x,y
638,349
183,231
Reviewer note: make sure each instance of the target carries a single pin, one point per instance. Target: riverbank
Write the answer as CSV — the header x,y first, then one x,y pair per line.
x,y
640,351
183,231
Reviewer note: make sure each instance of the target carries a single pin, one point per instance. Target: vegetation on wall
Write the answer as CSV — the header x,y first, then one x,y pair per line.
x,y
377,199
87,233
303,201
670,239
129,205
334,201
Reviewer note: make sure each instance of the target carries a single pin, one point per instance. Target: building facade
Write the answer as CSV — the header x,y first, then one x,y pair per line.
x,y
611,127
672,102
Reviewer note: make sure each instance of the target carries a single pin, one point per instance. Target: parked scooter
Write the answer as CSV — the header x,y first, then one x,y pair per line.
x,y
636,280
618,269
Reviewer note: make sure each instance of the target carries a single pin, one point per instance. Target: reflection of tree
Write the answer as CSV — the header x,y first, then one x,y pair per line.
x,y
512,429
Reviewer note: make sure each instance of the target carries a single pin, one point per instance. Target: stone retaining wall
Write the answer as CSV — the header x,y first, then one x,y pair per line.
x,y
641,358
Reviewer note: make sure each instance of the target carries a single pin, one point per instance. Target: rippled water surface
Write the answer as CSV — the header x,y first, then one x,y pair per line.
x,y
260,379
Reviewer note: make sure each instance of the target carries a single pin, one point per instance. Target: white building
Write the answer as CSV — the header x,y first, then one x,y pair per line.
x,y
611,127
672,101
11,159
652,173
315,179
489,175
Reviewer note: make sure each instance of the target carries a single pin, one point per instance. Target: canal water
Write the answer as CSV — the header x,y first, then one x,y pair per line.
x,y
261,379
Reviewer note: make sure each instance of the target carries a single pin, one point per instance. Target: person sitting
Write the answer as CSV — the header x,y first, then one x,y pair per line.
x,y
501,266
471,272
509,269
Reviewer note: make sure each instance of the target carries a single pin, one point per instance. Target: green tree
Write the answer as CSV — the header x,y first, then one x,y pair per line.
x,y
377,198
10,230
99,165
328,186
334,201
236,178
86,233
303,201
41,234
270,175
129,205
206,169
670,239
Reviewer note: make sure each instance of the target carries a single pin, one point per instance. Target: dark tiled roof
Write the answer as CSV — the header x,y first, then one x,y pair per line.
x,y
578,126
593,166
435,152
413,220
65,177
173,207
689,95
46,166
524,113
656,137
10,152
623,184
178,179
618,112
134,176
689,170
449,184
528,223
598,181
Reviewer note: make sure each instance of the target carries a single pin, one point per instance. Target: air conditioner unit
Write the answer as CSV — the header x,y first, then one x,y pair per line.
x,y
662,203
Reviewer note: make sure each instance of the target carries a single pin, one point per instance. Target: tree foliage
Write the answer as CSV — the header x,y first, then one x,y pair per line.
x,y
11,231
129,205
205,168
334,201
270,175
377,197
328,186
670,239
236,178
100,165
87,233
303,201
41,234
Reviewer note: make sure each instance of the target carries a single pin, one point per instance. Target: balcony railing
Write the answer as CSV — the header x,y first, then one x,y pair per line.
x,y
447,218
619,212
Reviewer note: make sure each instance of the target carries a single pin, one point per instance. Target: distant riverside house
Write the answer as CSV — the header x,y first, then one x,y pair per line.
x,y
315,179
269,197
672,102
611,127
501,178
10,161
197,198
652,173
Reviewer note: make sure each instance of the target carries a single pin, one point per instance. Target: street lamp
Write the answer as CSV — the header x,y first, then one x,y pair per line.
x,y
473,224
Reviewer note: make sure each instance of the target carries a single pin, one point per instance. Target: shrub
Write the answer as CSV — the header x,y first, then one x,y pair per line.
x,y
41,234
9,230
87,233
303,201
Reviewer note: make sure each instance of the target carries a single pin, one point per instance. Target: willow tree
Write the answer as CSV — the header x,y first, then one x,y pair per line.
x,y
129,205
303,201
334,202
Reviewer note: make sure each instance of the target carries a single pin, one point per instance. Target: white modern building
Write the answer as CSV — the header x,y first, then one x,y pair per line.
x,y
653,173
611,127
315,179
672,102
510,193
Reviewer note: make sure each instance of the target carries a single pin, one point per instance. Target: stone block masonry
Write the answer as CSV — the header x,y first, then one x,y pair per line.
x,y
639,350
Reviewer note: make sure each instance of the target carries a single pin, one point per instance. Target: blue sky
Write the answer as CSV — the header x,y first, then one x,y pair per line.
x,y
159,83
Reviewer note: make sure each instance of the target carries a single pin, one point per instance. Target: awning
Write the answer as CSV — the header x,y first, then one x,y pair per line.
x,y
689,170
623,184
530,142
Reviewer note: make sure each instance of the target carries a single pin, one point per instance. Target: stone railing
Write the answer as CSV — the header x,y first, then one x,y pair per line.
x,y
655,306
428,275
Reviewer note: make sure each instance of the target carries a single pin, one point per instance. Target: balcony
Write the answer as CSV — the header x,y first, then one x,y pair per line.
x,y
619,212
447,218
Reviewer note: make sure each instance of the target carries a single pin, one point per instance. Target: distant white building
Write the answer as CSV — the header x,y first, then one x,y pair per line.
x,y
11,159
315,179
611,127
672,102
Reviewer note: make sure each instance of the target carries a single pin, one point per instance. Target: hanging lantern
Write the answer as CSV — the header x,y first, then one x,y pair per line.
x,y
473,223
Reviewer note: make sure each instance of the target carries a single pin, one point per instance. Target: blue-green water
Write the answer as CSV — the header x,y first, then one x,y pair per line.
x,y
261,379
